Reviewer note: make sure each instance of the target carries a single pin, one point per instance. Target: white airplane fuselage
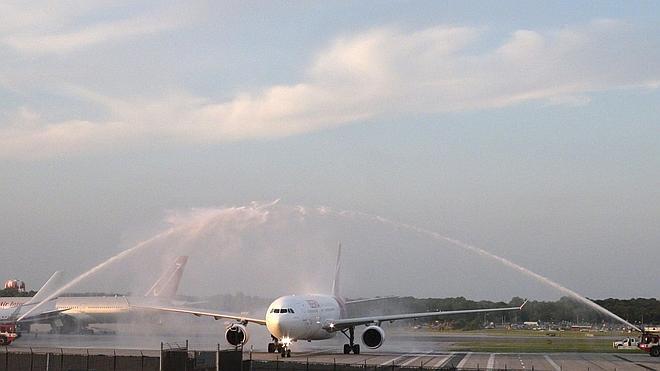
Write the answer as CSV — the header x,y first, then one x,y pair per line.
x,y
84,309
94,309
301,317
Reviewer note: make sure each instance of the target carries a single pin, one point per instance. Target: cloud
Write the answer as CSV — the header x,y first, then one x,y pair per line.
x,y
19,16
58,28
368,76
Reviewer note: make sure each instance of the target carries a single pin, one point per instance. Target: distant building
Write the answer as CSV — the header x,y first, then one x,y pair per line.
x,y
17,285
651,328
581,327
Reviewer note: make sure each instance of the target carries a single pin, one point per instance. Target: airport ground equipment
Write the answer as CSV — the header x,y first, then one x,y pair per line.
x,y
627,343
650,343
8,333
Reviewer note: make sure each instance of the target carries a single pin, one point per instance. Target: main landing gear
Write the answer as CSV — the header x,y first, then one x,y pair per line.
x,y
282,349
351,346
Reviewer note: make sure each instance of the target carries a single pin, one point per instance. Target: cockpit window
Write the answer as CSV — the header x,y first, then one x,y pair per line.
x,y
282,310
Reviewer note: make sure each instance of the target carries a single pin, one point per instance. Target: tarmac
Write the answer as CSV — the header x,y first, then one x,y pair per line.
x,y
477,361
429,352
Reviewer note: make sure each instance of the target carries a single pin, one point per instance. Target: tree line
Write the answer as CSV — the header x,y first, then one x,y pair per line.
x,y
565,310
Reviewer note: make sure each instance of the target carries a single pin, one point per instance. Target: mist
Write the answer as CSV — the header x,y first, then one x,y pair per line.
x,y
273,249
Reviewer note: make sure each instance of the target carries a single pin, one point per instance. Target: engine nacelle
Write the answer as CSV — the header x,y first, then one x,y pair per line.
x,y
237,334
373,337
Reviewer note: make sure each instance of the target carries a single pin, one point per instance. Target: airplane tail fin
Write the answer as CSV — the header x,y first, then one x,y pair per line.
x,y
168,283
335,283
53,283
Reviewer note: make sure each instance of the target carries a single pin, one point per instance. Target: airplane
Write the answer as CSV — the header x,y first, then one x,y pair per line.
x,y
312,317
70,314
11,307
53,283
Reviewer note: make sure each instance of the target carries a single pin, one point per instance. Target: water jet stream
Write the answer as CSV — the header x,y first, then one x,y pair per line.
x,y
202,221
97,268
482,252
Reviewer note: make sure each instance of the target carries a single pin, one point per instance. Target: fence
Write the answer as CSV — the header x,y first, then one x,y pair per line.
x,y
168,359
61,361
306,366
178,359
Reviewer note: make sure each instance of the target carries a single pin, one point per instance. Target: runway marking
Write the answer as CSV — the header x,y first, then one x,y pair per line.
x,y
416,358
491,362
442,361
552,363
591,361
633,362
462,363
410,361
391,361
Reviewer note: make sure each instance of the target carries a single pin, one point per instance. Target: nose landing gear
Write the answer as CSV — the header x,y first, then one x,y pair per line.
x,y
278,347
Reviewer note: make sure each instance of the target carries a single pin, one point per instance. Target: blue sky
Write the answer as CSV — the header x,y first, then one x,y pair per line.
x,y
528,129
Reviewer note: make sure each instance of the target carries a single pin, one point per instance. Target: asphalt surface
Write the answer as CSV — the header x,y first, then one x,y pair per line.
x,y
481,361
399,350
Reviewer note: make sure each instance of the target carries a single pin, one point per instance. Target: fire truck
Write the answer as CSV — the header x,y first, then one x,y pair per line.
x,y
650,341
8,333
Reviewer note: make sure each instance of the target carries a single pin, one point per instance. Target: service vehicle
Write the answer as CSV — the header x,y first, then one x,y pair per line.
x,y
627,343
8,333
650,343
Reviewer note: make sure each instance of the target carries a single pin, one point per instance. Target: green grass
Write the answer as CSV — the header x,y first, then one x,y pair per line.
x,y
531,341
540,345
527,333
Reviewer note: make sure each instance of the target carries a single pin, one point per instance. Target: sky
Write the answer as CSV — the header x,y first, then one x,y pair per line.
x,y
530,130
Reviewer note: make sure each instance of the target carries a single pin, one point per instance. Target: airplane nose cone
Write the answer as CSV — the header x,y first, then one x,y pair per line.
x,y
273,325
278,327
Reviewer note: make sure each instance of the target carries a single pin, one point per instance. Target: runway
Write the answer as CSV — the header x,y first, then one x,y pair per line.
x,y
479,361
428,352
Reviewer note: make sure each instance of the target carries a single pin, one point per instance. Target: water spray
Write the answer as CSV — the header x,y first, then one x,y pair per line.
x,y
203,220
482,252
97,268
189,228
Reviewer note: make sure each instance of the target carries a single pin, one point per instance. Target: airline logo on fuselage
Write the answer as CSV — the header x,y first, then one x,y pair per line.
x,y
9,304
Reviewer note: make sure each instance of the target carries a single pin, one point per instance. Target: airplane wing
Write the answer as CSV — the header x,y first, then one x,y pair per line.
x,y
340,324
199,313
356,301
43,316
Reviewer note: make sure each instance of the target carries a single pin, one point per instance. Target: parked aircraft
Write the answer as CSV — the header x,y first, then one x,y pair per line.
x,y
312,317
53,283
12,307
67,314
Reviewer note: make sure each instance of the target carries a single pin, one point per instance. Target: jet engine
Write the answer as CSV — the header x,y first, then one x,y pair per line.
x,y
237,334
373,337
